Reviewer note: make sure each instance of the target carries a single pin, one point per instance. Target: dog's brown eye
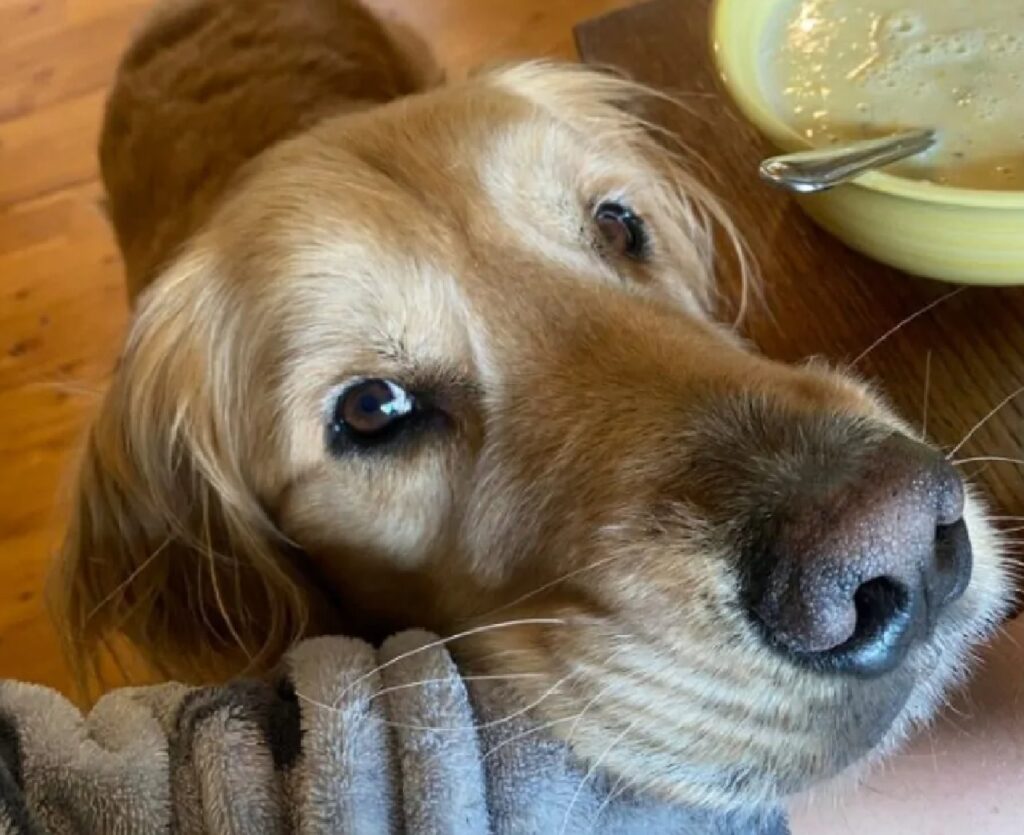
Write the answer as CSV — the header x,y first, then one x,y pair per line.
x,y
371,411
621,230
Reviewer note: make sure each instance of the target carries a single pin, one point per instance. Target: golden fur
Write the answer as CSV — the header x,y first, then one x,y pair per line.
x,y
294,215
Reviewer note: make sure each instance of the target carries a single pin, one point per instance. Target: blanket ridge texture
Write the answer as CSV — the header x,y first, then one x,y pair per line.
x,y
330,745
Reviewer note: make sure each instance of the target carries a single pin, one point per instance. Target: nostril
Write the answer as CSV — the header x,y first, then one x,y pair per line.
x,y
950,495
953,564
858,563
883,633
880,603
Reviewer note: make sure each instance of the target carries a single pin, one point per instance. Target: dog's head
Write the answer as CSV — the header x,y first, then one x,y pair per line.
x,y
454,358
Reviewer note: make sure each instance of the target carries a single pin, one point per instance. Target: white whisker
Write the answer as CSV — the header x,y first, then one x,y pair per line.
x,y
442,641
448,680
996,458
575,719
334,708
593,770
927,388
590,703
527,733
593,700
621,786
902,324
1006,635
944,716
489,724
552,584
1002,403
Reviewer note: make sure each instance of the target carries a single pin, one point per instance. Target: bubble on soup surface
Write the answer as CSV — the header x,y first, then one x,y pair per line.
x,y
885,76
990,107
899,24
960,43
1007,42
962,96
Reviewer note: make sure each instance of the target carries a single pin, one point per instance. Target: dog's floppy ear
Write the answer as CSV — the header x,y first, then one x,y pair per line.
x,y
167,543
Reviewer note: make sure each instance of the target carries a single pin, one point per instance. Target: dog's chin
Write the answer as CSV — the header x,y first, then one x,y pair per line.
x,y
727,723
743,758
743,763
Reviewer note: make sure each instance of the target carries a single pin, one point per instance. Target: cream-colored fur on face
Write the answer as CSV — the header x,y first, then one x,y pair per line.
x,y
445,240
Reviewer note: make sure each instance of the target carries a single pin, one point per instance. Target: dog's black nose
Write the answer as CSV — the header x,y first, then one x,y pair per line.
x,y
857,563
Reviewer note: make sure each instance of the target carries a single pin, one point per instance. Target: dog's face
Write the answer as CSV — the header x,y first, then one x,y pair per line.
x,y
454,357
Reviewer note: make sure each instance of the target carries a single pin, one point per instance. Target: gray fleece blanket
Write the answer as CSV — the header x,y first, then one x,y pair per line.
x,y
346,739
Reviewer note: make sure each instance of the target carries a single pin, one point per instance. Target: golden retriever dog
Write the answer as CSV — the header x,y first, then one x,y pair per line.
x,y
411,354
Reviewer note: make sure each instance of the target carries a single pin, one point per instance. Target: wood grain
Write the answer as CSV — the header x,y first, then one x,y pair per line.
x,y
822,299
62,309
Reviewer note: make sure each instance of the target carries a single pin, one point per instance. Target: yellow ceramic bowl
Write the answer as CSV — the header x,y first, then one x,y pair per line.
x,y
953,234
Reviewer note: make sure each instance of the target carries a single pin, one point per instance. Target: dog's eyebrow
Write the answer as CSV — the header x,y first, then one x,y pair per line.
x,y
447,388
458,393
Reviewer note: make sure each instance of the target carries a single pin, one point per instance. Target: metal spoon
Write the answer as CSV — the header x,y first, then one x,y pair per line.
x,y
824,168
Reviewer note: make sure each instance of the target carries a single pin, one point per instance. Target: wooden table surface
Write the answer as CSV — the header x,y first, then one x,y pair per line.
x,y
820,297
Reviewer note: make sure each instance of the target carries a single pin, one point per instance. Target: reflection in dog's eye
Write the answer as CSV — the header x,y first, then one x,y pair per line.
x,y
621,230
370,411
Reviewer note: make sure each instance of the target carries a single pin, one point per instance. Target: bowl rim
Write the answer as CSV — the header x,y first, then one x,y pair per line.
x,y
755,108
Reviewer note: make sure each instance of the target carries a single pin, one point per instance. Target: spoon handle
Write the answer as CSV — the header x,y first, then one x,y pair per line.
x,y
824,168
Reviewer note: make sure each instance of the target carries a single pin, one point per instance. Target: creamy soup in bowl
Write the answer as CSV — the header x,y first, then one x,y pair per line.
x,y
837,70
809,73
